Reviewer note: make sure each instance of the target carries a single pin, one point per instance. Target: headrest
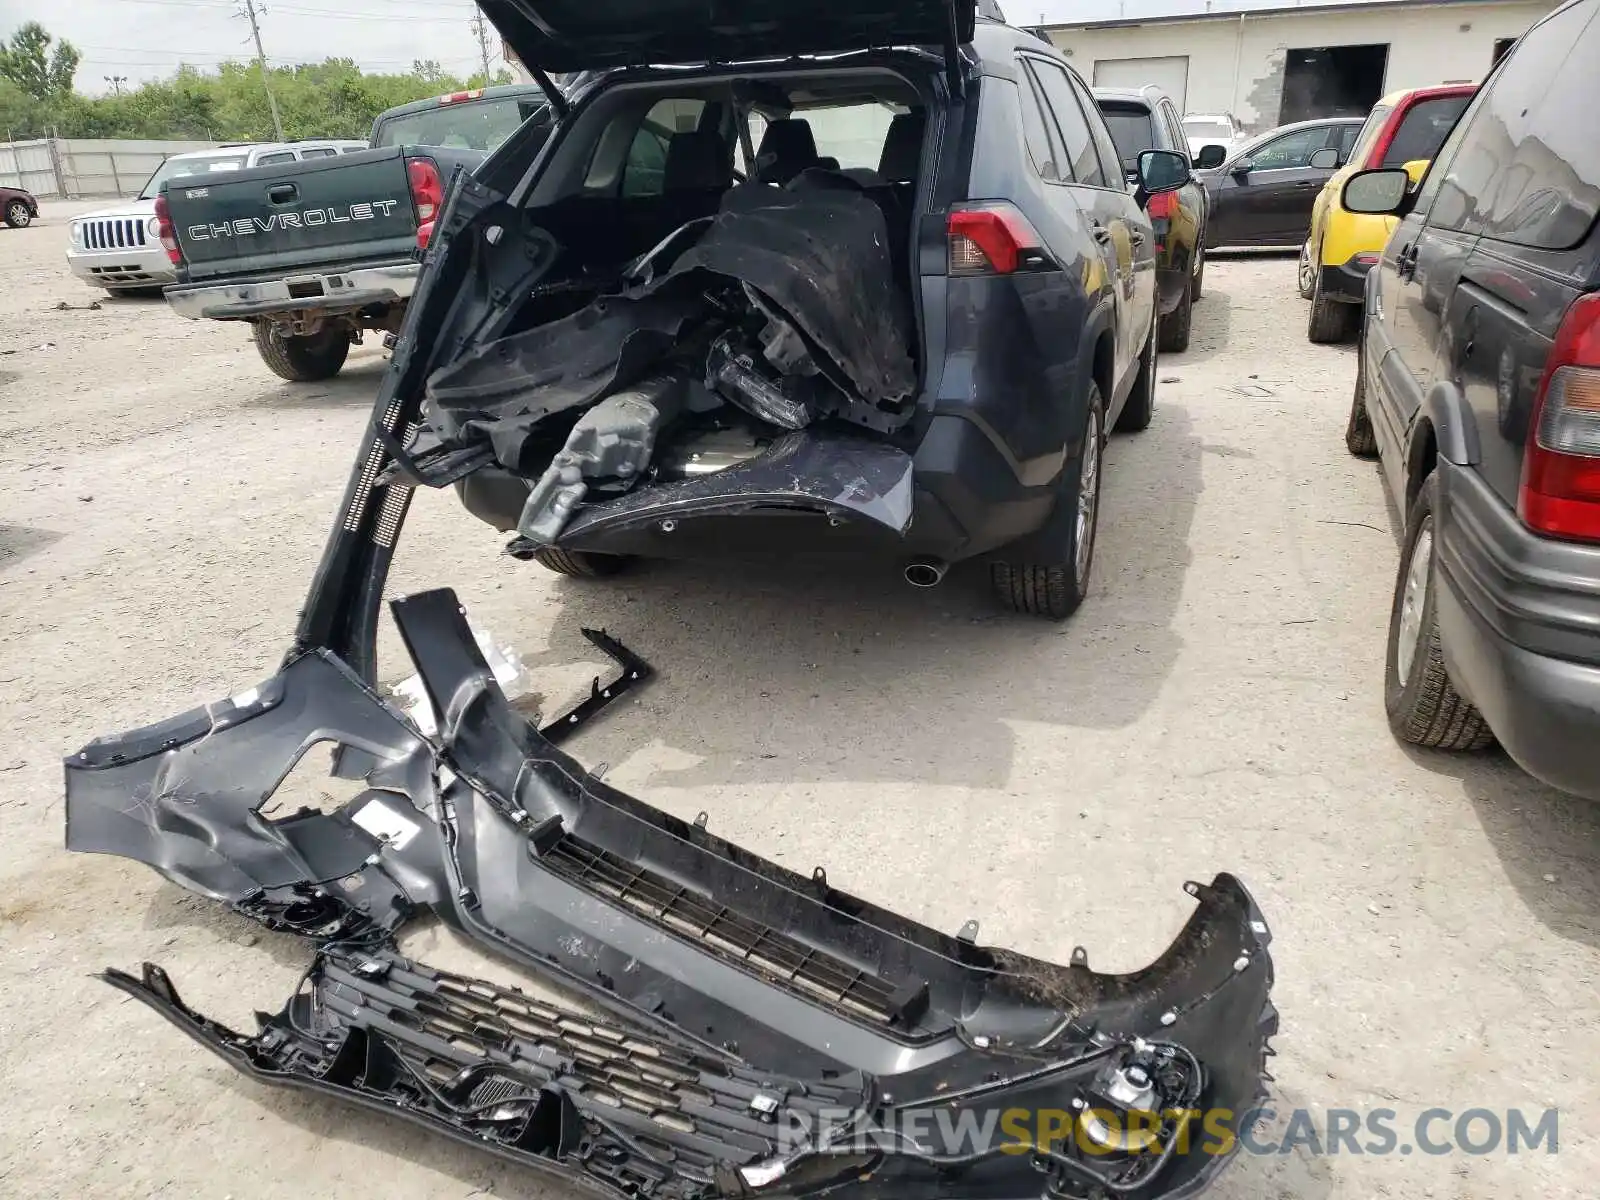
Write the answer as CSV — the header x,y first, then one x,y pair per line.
x,y
787,148
696,159
902,147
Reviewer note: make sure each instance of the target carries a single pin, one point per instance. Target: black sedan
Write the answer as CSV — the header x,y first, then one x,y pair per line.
x,y
1264,193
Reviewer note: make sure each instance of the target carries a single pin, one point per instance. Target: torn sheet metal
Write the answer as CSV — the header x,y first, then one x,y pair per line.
x,y
816,254
737,999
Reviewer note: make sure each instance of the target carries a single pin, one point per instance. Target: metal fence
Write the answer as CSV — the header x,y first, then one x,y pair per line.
x,y
68,168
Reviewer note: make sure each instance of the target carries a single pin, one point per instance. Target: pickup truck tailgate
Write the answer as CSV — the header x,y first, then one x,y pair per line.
x,y
352,207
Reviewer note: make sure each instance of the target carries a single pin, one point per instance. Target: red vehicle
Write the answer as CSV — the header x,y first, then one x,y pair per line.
x,y
17,207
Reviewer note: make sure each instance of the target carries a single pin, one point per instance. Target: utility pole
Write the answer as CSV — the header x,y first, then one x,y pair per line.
x,y
248,11
481,28
116,82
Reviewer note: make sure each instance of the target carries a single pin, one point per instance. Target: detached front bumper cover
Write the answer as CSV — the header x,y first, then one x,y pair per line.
x,y
721,1026
759,1029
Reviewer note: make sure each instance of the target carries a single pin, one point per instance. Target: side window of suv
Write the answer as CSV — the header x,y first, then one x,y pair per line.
x,y
1076,137
1041,147
1101,133
1548,187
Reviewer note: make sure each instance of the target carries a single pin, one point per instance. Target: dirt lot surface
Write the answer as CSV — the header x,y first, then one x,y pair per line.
x,y
1214,706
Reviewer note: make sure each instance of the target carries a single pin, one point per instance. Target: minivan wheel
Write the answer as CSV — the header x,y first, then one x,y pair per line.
x,y
1331,320
1199,268
1423,705
1307,274
1056,588
1141,406
580,564
1358,435
302,359
1176,324
17,215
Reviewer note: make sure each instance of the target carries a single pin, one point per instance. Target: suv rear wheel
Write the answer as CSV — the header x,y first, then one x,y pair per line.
x,y
1055,588
1141,406
302,359
1175,325
1358,436
1423,705
1306,273
1199,267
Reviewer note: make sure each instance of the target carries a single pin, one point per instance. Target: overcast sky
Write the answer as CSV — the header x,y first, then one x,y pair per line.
x,y
146,39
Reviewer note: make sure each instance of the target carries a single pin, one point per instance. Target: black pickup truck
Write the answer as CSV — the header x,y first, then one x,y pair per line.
x,y
312,254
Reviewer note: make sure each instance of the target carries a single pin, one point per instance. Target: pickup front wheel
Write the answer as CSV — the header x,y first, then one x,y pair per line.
x,y
302,359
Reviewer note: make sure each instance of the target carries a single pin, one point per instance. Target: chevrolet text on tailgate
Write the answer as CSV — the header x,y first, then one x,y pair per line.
x,y
312,254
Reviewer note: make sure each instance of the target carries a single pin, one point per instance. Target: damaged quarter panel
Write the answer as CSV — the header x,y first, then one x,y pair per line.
x,y
760,1030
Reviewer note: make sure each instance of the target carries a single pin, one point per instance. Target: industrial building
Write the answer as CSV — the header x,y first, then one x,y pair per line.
x,y
1269,66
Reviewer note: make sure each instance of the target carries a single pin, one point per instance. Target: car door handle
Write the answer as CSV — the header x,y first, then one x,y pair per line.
x,y
1136,236
1101,233
1406,264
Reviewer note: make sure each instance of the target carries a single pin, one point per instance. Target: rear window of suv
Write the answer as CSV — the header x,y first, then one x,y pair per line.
x,y
1423,129
1131,129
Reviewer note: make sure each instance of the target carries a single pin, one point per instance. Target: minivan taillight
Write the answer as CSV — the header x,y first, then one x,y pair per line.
x,y
1560,493
993,238
427,195
167,232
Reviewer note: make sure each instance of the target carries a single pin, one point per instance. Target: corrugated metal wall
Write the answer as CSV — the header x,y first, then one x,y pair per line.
x,y
67,168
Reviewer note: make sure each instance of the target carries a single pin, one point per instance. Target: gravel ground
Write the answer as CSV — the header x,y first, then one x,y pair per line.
x,y
1214,706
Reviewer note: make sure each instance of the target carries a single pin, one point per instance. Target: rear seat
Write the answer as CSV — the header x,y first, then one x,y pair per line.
x,y
787,148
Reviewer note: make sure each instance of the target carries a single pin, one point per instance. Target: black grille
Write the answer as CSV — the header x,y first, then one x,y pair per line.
x,y
735,937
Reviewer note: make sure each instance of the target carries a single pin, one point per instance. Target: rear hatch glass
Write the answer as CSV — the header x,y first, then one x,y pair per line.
x,y
1423,129
1132,130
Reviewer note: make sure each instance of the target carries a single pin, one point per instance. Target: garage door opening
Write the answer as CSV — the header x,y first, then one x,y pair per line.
x,y
1170,74
1332,81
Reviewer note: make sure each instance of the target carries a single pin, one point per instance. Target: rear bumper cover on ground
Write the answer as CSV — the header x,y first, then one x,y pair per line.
x,y
1519,616
324,291
734,1028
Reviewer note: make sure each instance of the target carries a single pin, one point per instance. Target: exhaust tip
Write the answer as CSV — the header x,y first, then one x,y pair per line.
x,y
926,572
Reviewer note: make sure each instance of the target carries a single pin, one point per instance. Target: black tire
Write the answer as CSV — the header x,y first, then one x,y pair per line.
x,y
1175,326
1200,270
1141,406
1056,587
303,359
1305,272
1423,705
580,564
18,215
1358,435
1331,321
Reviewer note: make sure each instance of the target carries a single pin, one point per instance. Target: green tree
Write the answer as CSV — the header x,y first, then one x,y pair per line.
x,y
39,69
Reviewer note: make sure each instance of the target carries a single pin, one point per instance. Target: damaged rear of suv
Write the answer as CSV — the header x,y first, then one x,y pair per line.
x,y
872,273
689,1020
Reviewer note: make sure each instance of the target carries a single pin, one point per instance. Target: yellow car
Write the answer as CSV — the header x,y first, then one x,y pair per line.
x,y
1405,129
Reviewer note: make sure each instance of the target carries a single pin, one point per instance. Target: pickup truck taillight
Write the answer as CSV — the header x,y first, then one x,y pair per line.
x,y
992,238
168,234
427,194
1560,493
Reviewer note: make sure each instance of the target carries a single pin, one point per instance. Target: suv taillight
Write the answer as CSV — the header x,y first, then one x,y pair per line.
x,y
1560,493
992,238
427,194
167,233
